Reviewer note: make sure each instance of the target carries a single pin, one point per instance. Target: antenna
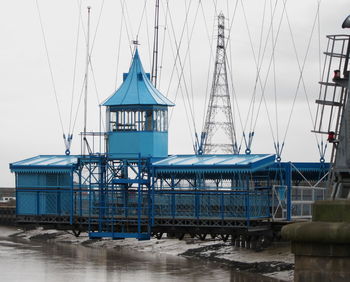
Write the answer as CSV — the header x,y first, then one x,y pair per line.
x,y
86,77
155,46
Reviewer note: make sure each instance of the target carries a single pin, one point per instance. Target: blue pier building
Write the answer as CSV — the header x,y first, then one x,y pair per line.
x,y
135,189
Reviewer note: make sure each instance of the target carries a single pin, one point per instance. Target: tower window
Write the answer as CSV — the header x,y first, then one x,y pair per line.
x,y
133,120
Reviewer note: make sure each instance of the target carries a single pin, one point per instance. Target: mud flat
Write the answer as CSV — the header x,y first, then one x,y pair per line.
x,y
275,261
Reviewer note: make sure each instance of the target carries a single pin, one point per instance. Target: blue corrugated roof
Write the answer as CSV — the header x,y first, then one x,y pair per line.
x,y
137,89
214,163
45,163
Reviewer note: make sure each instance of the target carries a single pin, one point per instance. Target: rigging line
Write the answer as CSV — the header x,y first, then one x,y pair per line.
x,y
252,105
95,84
210,40
190,64
319,42
185,106
274,73
178,46
97,26
123,6
263,86
118,53
298,61
229,45
262,31
300,80
96,29
182,69
127,18
229,62
228,9
184,101
181,76
49,64
96,90
79,101
163,43
141,20
234,97
188,120
215,2
148,41
319,49
79,3
258,79
259,64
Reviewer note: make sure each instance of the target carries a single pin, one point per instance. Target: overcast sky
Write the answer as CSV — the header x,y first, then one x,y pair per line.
x,y
29,115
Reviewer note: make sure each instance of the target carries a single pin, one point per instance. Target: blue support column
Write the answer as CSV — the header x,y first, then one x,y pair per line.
x,y
90,204
139,196
16,183
152,191
149,199
247,201
196,199
80,194
71,198
173,209
288,183
37,202
222,206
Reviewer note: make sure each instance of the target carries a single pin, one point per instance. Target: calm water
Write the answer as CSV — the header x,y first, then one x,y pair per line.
x,y
35,261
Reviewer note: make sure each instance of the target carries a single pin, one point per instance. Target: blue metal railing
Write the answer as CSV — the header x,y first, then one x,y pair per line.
x,y
167,203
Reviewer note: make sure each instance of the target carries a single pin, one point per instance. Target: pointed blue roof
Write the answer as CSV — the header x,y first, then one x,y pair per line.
x,y
137,89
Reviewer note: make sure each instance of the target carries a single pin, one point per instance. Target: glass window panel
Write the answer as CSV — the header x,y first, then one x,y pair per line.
x,y
148,120
113,121
159,128
162,121
166,120
155,120
137,121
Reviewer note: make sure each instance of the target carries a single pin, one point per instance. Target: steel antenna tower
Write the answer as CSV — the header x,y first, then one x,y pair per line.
x,y
219,134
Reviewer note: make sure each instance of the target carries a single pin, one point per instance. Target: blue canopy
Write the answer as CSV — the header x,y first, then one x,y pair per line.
x,y
45,164
137,89
213,163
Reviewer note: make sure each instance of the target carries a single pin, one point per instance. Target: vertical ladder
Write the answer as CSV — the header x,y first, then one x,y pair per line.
x,y
332,116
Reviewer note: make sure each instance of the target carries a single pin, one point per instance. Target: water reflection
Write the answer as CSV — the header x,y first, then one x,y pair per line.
x,y
40,261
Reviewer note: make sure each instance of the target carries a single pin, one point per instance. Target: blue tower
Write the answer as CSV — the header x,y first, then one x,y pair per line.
x,y
137,116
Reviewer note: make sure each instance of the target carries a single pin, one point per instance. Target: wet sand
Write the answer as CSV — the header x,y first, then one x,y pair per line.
x,y
275,262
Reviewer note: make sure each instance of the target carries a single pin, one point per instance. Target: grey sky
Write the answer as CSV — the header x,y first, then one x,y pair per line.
x,y
29,119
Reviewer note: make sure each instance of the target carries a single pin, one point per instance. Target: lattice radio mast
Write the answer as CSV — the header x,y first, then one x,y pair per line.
x,y
219,134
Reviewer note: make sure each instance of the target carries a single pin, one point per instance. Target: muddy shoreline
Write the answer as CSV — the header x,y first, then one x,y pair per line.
x,y
275,261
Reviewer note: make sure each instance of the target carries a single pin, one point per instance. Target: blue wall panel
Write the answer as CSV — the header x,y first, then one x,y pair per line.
x,y
147,143
43,193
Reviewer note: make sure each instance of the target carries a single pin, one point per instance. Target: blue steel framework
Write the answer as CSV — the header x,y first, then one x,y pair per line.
x,y
135,189
137,197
